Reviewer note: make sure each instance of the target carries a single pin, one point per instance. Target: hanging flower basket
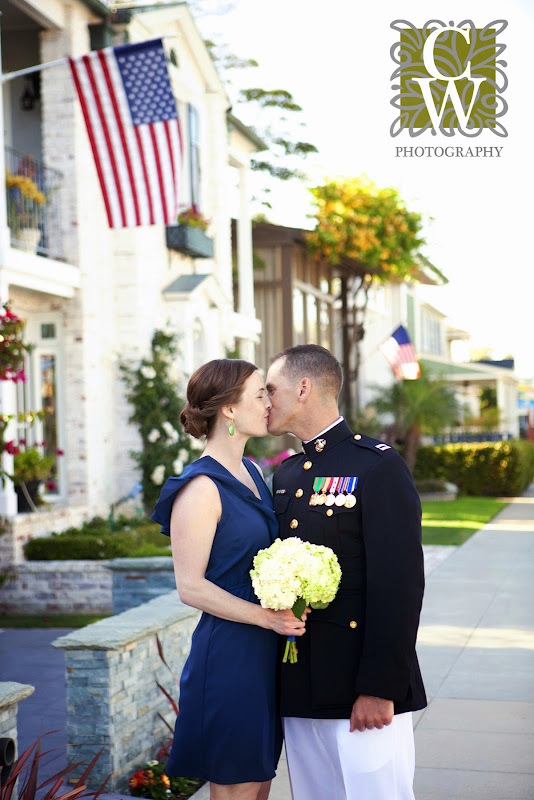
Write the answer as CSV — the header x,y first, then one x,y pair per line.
x,y
189,240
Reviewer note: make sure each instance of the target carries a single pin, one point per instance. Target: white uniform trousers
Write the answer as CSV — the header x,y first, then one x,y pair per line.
x,y
327,762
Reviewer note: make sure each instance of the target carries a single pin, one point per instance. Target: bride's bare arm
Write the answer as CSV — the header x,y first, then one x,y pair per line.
x,y
195,514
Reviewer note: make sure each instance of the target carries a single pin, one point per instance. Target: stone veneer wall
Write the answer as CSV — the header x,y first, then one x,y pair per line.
x,y
11,693
112,697
138,580
69,587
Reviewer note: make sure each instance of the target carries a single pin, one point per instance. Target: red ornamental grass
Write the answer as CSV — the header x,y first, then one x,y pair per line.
x,y
24,774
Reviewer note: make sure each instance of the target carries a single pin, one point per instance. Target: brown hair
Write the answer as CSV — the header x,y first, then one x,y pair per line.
x,y
215,384
315,362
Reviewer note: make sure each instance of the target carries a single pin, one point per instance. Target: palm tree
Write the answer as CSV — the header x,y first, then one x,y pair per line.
x,y
425,405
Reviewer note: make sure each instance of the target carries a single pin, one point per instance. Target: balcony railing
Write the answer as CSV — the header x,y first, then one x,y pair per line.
x,y
33,204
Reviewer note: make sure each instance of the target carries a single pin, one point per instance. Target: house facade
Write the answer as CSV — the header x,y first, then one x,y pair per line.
x,y
92,296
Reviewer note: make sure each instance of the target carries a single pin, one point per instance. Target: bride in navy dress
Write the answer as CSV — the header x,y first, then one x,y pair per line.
x,y
219,513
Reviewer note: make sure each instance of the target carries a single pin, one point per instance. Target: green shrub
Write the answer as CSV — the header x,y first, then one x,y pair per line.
x,y
500,469
62,548
132,538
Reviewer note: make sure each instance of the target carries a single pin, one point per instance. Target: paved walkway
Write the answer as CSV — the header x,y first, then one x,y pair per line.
x,y
475,741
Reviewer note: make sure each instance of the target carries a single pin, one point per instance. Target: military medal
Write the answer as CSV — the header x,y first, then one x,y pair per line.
x,y
340,499
350,500
330,497
318,498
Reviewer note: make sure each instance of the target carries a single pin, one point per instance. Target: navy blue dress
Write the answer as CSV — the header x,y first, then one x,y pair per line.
x,y
228,729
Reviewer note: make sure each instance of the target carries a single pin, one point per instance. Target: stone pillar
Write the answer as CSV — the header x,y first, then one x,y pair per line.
x,y
113,700
11,694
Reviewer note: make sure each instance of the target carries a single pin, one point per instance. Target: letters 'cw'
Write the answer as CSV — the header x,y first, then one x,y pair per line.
x,y
452,90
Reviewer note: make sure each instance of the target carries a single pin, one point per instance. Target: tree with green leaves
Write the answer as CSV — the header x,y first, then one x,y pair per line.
x,y
371,226
424,405
284,151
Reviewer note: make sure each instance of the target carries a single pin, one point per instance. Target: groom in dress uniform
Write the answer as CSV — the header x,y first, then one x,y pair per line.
x,y
347,702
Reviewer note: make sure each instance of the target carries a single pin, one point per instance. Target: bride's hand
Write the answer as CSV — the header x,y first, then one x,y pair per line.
x,y
284,622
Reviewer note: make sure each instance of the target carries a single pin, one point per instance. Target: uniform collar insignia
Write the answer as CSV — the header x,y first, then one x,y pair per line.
x,y
320,445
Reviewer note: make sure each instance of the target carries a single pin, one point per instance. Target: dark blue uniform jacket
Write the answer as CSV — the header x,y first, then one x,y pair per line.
x,y
364,642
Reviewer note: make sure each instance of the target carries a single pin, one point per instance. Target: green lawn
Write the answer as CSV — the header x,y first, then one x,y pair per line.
x,y
47,620
454,521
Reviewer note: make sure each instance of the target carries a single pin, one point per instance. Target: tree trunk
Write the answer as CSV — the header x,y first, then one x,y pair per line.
x,y
412,441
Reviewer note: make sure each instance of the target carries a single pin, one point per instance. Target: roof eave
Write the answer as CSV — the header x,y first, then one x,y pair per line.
x,y
98,8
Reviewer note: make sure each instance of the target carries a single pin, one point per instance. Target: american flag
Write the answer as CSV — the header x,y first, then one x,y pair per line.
x,y
398,351
133,126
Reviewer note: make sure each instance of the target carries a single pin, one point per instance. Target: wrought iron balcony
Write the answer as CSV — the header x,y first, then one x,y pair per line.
x,y
33,204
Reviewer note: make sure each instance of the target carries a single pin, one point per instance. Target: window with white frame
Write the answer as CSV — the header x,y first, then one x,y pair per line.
x,y
43,391
431,333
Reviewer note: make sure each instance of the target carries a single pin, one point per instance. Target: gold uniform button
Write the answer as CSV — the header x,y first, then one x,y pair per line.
x,y
358,436
353,623
299,493
294,524
329,512
307,465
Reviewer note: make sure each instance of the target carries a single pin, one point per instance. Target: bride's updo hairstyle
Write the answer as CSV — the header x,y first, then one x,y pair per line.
x,y
214,385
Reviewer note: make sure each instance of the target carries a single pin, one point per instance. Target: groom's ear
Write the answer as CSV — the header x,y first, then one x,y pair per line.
x,y
304,389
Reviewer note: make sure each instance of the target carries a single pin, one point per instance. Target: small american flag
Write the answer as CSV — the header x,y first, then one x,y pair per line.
x,y
133,126
399,353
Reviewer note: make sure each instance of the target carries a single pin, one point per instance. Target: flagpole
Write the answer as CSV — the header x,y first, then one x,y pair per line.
x,y
9,76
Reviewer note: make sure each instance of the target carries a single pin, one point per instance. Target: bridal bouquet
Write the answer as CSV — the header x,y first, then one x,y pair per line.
x,y
293,574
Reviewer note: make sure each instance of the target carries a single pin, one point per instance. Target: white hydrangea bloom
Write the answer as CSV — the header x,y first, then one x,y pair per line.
x,y
154,435
183,455
177,466
148,372
158,474
291,569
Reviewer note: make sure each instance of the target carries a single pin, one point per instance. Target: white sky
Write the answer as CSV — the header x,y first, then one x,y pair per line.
x,y
334,57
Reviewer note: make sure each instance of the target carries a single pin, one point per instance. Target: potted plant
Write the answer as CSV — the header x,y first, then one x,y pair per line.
x,y
189,235
31,466
24,199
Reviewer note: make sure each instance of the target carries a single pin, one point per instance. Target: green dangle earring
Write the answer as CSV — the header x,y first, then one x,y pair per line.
x,y
231,429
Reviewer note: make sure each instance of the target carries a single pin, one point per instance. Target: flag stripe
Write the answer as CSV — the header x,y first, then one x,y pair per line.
x,y
166,128
85,112
105,131
145,177
152,172
120,126
134,131
167,167
158,169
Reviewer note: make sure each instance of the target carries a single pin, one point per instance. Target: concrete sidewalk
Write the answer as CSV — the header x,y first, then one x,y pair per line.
x,y
475,741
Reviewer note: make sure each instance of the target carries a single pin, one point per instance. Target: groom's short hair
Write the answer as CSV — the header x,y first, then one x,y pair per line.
x,y
314,362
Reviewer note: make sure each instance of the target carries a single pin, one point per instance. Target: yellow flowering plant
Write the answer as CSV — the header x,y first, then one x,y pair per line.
x,y
24,199
356,219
